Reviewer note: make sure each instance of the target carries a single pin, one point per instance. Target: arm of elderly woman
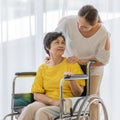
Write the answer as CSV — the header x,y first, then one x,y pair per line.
x,y
46,100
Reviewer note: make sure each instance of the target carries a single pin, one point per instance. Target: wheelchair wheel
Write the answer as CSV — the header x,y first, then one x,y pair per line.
x,y
84,111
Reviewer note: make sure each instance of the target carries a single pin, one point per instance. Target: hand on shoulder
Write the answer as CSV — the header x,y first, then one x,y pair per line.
x,y
72,59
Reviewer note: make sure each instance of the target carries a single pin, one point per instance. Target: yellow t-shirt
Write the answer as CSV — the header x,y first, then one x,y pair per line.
x,y
47,80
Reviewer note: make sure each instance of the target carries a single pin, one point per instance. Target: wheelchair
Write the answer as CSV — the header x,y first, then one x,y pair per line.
x,y
80,110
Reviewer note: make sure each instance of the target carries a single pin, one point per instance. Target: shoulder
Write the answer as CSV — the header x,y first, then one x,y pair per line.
x,y
68,19
102,32
42,66
103,29
75,68
71,65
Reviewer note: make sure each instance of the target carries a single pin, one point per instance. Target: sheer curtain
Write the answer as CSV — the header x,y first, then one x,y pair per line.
x,y
23,24
21,31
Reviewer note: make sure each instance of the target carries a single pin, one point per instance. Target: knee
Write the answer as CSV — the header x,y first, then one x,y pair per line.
x,y
28,108
27,113
42,114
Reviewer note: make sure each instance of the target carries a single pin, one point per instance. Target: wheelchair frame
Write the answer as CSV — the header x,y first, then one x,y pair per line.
x,y
26,98
87,100
83,111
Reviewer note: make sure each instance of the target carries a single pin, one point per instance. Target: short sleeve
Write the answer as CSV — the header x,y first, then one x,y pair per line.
x,y
102,54
37,85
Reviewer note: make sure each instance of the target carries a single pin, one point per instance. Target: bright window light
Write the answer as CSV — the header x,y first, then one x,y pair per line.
x,y
25,27
17,28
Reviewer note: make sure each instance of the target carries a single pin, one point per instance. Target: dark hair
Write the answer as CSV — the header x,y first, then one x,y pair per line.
x,y
89,13
49,37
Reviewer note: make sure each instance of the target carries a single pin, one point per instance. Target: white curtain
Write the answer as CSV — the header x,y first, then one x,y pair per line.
x,y
23,24
21,31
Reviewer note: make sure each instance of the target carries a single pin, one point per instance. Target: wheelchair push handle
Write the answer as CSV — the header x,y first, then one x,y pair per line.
x,y
92,61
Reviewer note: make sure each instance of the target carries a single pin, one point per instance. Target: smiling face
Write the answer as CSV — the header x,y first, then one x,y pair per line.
x,y
57,47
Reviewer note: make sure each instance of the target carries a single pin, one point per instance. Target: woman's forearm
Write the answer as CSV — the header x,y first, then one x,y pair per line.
x,y
74,59
85,61
46,100
76,89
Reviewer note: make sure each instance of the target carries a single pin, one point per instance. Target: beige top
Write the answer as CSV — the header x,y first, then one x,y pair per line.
x,y
81,47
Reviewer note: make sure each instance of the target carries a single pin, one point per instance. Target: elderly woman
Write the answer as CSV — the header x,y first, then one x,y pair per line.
x,y
46,84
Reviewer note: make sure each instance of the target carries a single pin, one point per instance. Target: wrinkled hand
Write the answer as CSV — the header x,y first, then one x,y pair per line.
x,y
72,59
56,103
68,74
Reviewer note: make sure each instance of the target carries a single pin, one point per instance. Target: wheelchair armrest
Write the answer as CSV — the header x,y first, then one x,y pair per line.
x,y
76,77
25,73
